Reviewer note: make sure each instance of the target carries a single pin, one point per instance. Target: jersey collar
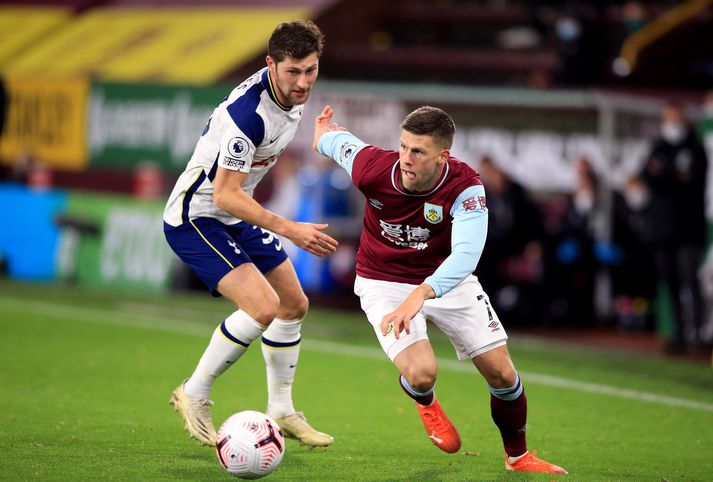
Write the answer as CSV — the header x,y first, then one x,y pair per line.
x,y
395,181
267,84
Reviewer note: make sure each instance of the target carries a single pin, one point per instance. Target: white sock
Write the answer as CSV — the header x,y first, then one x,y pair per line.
x,y
281,349
230,340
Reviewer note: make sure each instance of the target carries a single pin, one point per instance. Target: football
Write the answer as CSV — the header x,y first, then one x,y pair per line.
x,y
250,445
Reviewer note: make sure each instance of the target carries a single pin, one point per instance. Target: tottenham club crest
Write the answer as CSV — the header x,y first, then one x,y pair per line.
x,y
433,213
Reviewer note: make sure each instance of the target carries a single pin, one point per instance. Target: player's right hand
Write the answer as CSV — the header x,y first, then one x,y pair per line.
x,y
310,237
400,319
321,125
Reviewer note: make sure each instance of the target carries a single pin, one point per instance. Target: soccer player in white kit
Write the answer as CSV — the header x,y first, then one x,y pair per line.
x,y
215,226
425,224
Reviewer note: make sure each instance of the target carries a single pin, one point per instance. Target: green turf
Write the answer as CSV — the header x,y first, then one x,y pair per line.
x,y
85,379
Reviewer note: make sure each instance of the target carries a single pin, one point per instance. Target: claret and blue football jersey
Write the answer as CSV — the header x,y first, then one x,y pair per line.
x,y
434,237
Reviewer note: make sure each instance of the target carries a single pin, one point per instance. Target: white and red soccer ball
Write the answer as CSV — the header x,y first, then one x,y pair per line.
x,y
250,445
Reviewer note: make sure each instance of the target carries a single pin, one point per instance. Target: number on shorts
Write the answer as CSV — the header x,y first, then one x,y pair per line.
x,y
487,306
269,237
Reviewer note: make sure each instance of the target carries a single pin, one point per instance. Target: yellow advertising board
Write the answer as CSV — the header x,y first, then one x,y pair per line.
x,y
24,27
47,120
195,46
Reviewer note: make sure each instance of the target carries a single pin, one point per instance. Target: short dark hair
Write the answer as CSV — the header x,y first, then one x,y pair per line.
x,y
296,39
433,122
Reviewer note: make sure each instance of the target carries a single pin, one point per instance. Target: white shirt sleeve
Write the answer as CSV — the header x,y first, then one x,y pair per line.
x,y
236,149
470,228
342,147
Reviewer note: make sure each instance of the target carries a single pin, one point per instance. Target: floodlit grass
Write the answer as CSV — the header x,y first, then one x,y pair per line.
x,y
85,379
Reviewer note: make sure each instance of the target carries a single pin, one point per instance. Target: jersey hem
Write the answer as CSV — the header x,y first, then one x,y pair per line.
x,y
388,277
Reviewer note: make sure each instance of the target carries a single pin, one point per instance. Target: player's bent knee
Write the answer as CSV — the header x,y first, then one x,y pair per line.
x,y
295,310
264,317
421,379
264,309
501,377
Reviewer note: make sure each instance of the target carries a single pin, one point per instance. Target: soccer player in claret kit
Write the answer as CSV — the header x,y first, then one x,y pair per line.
x,y
425,224
213,224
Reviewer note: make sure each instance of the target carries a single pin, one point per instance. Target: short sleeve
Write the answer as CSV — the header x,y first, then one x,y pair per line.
x,y
236,149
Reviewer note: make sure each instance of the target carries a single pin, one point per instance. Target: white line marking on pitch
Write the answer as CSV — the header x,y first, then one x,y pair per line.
x,y
103,316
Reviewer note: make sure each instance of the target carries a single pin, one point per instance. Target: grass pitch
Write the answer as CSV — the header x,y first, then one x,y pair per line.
x,y
85,379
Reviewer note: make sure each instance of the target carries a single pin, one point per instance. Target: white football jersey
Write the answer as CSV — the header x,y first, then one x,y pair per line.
x,y
246,133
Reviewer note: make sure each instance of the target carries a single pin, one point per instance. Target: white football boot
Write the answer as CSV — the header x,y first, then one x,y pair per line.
x,y
296,426
196,415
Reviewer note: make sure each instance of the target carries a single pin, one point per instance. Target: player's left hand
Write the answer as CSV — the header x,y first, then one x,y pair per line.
x,y
401,317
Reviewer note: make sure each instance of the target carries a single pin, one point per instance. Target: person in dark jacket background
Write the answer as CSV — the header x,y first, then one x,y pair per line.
x,y
674,224
512,264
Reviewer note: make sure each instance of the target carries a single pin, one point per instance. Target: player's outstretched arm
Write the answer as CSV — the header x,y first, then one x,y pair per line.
x,y
322,125
330,140
401,316
229,196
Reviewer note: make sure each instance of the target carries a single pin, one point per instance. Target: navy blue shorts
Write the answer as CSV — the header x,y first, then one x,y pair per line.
x,y
213,249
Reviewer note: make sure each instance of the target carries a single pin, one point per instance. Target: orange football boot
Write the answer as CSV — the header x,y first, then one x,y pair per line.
x,y
439,429
530,463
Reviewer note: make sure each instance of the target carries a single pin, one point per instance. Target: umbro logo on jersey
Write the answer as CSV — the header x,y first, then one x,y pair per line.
x,y
376,203
494,326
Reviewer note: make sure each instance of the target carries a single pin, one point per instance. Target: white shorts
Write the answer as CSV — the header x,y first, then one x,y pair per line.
x,y
464,314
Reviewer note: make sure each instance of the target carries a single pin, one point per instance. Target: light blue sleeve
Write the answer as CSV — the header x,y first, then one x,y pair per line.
x,y
470,228
342,146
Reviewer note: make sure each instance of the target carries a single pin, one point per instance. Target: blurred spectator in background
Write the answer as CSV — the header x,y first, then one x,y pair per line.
x,y
578,43
581,250
586,246
671,191
511,266
571,275
633,15
707,109
634,277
